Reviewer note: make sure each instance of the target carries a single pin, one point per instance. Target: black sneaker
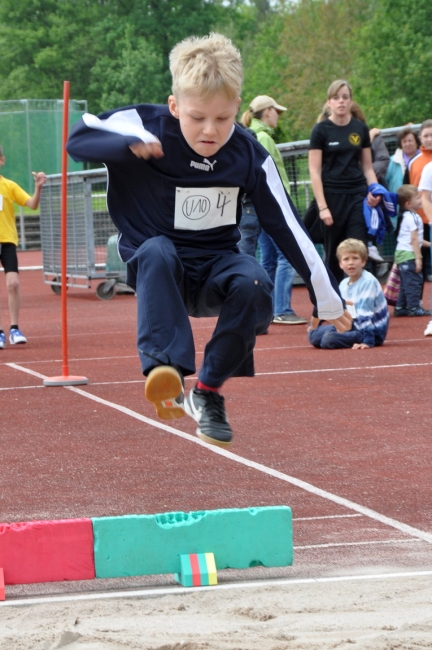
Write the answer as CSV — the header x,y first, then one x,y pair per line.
x,y
400,312
207,408
164,389
419,312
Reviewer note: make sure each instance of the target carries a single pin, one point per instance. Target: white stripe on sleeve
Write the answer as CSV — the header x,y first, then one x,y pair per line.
x,y
123,122
329,304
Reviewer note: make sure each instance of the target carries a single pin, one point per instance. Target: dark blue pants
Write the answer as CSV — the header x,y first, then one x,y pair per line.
x,y
328,338
411,286
169,289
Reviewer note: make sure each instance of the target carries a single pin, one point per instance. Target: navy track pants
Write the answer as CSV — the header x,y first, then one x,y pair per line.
x,y
171,288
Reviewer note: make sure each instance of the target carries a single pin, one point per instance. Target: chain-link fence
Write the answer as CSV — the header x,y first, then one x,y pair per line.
x,y
31,135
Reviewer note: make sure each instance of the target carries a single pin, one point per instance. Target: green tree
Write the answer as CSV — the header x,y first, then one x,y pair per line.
x,y
44,42
297,52
393,63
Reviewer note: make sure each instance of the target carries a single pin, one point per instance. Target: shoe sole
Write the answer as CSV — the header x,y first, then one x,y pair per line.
x,y
162,383
212,441
289,322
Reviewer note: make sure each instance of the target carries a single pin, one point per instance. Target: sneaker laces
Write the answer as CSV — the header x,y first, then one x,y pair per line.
x,y
214,406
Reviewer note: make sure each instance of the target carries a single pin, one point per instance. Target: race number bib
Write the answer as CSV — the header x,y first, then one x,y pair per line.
x,y
202,208
1,201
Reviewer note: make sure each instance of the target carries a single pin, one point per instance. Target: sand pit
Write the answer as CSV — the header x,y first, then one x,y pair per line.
x,y
385,613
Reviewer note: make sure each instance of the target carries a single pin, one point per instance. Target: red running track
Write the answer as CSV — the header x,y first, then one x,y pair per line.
x,y
343,437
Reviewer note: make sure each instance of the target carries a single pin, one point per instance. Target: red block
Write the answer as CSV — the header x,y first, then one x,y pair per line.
x,y
2,589
47,551
195,568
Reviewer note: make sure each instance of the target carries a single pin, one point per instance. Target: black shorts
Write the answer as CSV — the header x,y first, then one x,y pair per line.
x,y
9,257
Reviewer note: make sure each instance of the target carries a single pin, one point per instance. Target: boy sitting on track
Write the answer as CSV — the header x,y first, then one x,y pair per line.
x,y
365,300
177,174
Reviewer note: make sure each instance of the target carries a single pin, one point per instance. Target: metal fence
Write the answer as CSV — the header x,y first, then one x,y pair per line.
x,y
89,227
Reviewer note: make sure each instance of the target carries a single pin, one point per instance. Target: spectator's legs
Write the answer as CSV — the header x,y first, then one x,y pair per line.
x,y
327,337
268,254
348,221
426,254
250,229
284,278
14,296
411,285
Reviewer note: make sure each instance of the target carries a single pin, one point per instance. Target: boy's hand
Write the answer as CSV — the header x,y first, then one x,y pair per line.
x,y
360,346
40,178
372,200
419,264
343,323
147,150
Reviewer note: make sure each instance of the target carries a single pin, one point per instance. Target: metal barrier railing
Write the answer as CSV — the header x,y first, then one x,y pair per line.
x,y
90,226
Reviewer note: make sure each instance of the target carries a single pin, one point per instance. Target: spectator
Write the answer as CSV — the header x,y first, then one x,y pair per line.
x,y
365,300
262,117
340,165
250,227
408,257
380,161
409,144
11,193
412,176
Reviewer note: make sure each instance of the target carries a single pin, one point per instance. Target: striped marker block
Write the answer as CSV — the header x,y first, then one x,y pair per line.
x,y
196,570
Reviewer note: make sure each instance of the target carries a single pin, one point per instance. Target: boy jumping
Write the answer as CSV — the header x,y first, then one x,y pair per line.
x,y
177,175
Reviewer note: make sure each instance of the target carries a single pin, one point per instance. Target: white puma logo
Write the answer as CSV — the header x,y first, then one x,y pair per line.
x,y
209,163
206,165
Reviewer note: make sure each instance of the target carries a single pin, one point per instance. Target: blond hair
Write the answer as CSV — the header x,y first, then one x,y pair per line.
x,y
205,66
352,246
335,87
406,193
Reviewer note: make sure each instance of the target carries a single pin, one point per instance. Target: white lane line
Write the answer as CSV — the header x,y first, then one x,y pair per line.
x,y
324,517
27,370
19,387
372,542
315,370
411,531
257,374
183,591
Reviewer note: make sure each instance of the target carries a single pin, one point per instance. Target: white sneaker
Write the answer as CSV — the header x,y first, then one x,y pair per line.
x,y
15,336
428,330
2,341
373,253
